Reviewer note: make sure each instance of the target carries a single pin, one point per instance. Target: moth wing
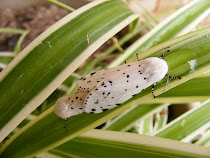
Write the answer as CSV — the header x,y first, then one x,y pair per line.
x,y
121,84
90,81
97,102
105,98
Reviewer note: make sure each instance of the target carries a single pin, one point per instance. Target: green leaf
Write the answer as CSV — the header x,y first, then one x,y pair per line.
x,y
145,126
178,23
127,120
101,143
184,126
133,25
194,90
161,119
47,139
44,64
205,139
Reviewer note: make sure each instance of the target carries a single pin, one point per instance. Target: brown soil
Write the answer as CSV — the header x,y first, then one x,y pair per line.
x,y
36,19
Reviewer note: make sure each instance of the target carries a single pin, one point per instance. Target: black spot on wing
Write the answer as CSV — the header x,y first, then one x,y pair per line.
x,y
104,110
110,82
83,78
96,102
92,73
93,109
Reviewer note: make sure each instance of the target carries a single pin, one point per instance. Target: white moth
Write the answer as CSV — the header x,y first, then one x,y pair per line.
x,y
111,87
108,88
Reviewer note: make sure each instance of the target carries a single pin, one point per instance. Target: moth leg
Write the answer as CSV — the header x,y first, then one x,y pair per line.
x,y
172,77
153,88
168,79
64,124
137,56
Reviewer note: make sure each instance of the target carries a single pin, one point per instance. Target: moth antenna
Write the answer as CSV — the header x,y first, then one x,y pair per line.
x,y
163,54
137,56
153,88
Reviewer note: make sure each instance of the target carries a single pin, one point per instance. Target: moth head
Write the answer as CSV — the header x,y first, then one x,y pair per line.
x,y
155,69
71,105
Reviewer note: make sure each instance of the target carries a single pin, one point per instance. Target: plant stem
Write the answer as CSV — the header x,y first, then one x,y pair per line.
x,y
62,5
19,42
